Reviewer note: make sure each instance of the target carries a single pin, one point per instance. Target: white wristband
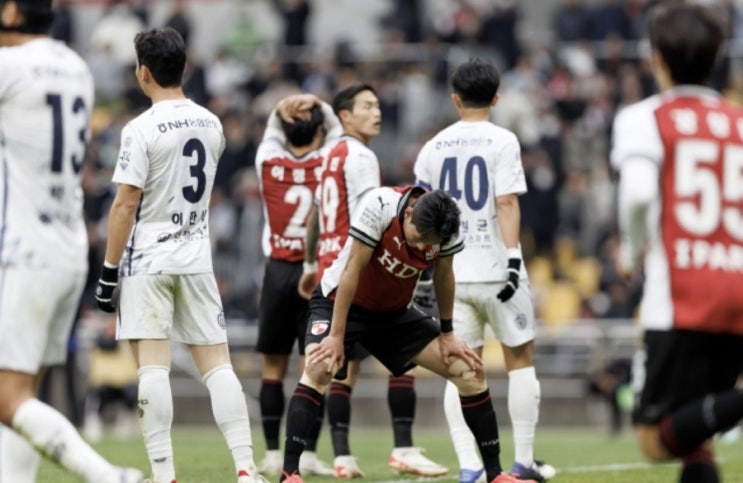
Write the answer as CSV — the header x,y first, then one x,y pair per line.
x,y
309,267
513,253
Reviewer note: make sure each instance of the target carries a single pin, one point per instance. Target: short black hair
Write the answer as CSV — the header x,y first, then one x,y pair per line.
x,y
164,53
344,99
37,15
301,133
688,37
476,82
436,214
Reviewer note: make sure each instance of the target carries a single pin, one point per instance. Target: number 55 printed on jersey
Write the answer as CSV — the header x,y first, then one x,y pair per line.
x,y
706,199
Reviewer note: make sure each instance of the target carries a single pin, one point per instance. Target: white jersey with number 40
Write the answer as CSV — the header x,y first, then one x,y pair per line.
x,y
171,152
475,162
46,96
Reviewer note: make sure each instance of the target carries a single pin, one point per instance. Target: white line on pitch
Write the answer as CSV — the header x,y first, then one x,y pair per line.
x,y
613,467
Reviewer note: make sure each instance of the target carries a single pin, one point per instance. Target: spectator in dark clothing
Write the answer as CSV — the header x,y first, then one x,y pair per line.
x,y
179,21
609,18
498,30
63,26
405,16
571,21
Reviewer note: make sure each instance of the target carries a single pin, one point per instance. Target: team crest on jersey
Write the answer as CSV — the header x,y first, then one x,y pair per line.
x,y
319,327
433,251
124,159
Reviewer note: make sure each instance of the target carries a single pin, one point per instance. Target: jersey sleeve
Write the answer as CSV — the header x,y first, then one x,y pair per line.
x,y
509,170
369,222
635,135
4,79
133,162
333,127
455,245
421,169
273,128
363,173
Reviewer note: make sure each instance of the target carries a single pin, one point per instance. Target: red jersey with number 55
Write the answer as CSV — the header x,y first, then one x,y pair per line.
x,y
350,170
694,260
288,185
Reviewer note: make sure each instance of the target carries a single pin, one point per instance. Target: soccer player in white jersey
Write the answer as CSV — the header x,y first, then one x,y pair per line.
x,y
479,164
350,170
288,164
158,242
365,297
680,159
46,97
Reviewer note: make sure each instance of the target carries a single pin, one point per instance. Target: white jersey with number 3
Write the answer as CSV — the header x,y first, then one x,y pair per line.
x,y
46,96
475,162
171,152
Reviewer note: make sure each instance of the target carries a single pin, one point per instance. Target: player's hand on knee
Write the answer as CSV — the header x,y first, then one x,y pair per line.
x,y
512,283
107,283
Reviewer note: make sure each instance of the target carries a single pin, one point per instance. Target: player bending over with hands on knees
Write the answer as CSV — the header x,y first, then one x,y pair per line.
x,y
365,297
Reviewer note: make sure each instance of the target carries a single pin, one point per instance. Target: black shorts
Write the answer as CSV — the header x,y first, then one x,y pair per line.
x,y
282,314
678,366
394,338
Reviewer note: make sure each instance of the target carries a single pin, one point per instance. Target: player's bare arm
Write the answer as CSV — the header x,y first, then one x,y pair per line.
x,y
332,346
443,284
297,106
509,218
121,220
307,281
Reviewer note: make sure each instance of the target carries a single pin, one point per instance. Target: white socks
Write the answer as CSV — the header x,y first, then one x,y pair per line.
x,y
54,436
231,414
461,436
19,461
523,408
155,403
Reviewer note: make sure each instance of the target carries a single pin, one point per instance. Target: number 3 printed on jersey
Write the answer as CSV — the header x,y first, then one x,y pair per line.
x,y
719,200
195,147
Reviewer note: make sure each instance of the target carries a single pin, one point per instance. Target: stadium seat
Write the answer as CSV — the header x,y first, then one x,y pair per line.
x,y
585,274
560,304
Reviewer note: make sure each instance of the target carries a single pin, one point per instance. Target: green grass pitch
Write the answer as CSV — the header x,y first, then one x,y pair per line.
x,y
582,455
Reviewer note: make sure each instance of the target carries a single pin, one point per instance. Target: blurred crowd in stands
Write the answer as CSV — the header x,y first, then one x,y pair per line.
x,y
560,90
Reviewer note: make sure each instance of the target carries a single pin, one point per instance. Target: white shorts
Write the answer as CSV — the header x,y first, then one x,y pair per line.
x,y
184,308
37,309
476,305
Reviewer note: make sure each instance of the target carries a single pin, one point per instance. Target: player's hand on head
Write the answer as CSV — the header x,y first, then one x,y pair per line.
x,y
107,283
512,282
297,106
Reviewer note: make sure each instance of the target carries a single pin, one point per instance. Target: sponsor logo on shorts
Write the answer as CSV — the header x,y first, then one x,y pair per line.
x,y
319,327
220,320
521,321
